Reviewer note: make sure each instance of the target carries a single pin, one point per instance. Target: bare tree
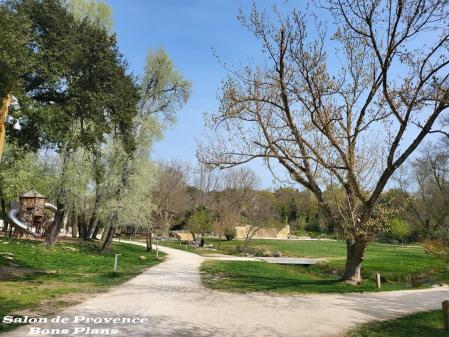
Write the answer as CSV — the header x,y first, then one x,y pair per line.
x,y
426,188
170,193
353,117
204,182
235,192
259,214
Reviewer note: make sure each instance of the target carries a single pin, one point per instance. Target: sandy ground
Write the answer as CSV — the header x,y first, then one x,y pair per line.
x,y
172,299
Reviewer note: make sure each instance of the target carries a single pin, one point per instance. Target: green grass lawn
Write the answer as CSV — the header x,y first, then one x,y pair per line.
x,y
42,273
400,268
423,324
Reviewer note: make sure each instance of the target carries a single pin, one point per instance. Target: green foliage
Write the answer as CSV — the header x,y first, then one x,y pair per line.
x,y
75,181
95,12
437,248
313,225
126,189
399,228
21,171
78,99
15,55
200,221
164,90
76,89
230,233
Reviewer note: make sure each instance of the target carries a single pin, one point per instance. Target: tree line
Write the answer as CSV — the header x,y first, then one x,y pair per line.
x,y
416,203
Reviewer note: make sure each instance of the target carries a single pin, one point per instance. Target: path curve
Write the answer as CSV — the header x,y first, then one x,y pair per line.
x,y
171,296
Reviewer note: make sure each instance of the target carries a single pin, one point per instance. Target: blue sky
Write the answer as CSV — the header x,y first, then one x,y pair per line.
x,y
188,30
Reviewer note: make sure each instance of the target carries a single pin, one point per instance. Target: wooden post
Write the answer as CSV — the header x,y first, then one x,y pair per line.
x,y
4,109
445,306
378,282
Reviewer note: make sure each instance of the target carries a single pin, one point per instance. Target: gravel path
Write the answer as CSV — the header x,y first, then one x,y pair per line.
x,y
175,303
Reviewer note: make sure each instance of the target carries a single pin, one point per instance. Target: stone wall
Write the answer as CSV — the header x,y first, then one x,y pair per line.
x,y
270,233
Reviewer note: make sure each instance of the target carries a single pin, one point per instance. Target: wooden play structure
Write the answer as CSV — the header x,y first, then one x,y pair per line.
x,y
30,218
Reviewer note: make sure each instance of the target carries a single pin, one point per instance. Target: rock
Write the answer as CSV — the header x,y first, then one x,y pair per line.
x,y
6,242
8,257
142,258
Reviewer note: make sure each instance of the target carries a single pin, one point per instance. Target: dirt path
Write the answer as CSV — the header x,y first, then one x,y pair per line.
x,y
171,296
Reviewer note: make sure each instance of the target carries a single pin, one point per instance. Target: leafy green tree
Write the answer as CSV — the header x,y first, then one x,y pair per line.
x,y
164,91
399,229
96,12
88,91
15,55
200,221
22,170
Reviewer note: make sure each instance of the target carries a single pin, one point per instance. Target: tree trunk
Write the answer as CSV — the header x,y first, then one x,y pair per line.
x,y
83,226
245,246
97,229
93,218
80,223
219,235
4,109
91,228
149,240
74,224
355,248
219,241
5,220
98,174
53,232
108,240
105,232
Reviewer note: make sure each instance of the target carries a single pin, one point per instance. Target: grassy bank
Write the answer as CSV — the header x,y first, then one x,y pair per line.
x,y
31,274
422,324
400,268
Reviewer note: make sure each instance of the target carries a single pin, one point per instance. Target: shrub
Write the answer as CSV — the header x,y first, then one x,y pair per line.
x,y
229,233
437,248
312,226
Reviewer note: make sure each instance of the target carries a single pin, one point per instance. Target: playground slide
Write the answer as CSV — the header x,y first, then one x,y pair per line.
x,y
12,218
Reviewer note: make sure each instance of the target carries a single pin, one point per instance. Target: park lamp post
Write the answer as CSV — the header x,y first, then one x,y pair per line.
x,y
9,103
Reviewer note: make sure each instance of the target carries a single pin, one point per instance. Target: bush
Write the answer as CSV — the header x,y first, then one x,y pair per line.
x,y
233,250
229,233
313,226
266,253
437,248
